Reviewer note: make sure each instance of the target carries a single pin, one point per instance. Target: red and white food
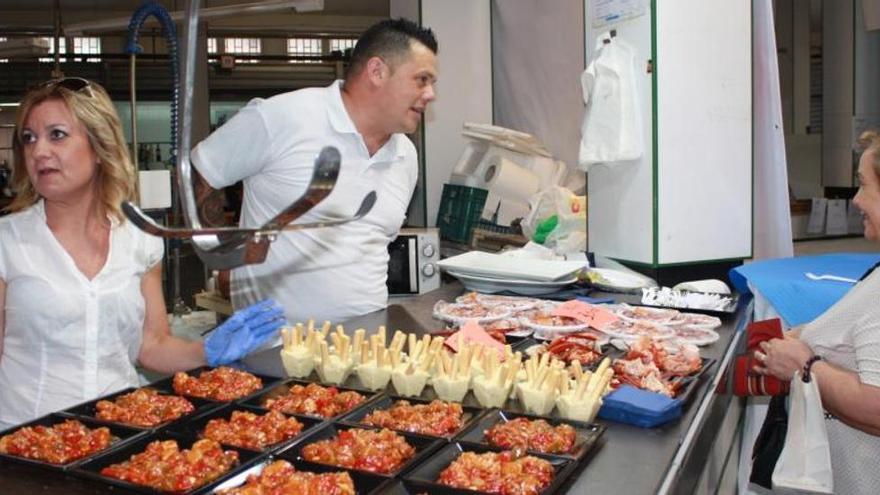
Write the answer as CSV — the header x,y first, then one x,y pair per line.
x,y
532,434
501,473
632,330
650,366
252,431
639,313
281,478
694,335
581,346
378,451
164,467
221,384
57,444
510,303
143,407
314,400
696,320
438,418
459,312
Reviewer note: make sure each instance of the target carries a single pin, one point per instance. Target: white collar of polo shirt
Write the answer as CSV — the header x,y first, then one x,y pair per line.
x,y
341,122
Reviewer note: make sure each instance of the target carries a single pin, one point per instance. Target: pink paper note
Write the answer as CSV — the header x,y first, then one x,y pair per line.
x,y
473,333
590,314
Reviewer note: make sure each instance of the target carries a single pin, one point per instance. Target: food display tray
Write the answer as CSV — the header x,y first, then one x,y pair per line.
x,y
607,351
124,434
468,416
423,477
92,468
88,409
587,435
691,383
280,389
423,445
364,483
195,426
729,309
167,385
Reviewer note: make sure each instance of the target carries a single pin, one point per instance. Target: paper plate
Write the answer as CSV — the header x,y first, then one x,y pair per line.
x,y
492,285
477,263
617,281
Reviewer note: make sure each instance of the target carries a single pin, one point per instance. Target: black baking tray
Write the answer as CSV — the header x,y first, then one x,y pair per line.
x,y
423,477
587,435
123,433
423,445
92,468
691,383
607,351
279,389
468,416
195,426
89,409
167,384
364,483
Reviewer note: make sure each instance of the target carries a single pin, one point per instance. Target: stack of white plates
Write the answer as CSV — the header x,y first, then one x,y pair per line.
x,y
492,273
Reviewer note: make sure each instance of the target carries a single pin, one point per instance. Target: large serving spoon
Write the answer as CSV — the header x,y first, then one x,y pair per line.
x,y
224,248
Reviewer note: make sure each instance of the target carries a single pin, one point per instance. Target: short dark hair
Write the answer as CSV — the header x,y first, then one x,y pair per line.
x,y
389,39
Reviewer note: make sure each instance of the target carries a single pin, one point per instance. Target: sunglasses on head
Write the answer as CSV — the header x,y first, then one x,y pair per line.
x,y
74,84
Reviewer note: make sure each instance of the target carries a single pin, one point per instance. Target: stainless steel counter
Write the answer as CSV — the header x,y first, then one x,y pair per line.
x,y
686,456
670,459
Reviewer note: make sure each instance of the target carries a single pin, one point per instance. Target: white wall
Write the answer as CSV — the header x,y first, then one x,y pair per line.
x,y
704,130
837,84
621,197
464,91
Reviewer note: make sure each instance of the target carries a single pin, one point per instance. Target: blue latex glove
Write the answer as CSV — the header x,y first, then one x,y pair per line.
x,y
243,332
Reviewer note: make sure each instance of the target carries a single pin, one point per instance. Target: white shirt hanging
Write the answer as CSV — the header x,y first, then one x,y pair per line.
x,y
611,130
68,339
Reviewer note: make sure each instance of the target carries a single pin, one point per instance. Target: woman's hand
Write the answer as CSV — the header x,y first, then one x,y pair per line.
x,y
782,357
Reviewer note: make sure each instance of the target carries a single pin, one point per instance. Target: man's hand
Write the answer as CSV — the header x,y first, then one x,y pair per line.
x,y
243,332
210,202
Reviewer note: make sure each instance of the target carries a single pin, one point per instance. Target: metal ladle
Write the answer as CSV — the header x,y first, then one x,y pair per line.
x,y
224,248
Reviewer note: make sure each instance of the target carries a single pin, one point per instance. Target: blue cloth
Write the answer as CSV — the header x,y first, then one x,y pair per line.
x,y
595,300
638,407
796,298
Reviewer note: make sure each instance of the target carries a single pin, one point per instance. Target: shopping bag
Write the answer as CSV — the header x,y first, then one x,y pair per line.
x,y
746,381
769,443
805,461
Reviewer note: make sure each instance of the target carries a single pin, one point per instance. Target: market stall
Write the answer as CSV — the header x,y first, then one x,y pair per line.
x,y
670,458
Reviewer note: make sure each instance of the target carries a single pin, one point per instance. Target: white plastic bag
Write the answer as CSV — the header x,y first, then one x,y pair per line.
x,y
805,462
611,129
570,234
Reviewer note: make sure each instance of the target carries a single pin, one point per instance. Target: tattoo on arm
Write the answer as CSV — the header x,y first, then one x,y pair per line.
x,y
210,203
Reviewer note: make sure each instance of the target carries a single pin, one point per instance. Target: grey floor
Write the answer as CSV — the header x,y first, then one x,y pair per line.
x,y
845,245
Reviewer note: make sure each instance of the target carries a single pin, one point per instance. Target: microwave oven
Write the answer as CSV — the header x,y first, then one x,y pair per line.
x,y
412,262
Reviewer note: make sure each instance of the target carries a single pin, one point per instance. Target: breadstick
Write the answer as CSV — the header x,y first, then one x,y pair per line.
x,y
325,328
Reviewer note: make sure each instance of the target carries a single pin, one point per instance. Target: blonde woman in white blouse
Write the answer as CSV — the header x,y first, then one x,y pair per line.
x,y
81,296
846,339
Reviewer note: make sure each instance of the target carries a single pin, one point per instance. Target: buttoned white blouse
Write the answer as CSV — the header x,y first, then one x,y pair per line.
x,y
68,339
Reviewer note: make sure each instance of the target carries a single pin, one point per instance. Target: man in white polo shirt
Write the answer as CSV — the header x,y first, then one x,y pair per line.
x,y
339,272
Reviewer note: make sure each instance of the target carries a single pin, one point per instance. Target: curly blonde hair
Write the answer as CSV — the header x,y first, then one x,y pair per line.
x,y
870,141
91,106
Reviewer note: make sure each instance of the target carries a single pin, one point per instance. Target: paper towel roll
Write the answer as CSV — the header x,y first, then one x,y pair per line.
x,y
155,189
509,180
